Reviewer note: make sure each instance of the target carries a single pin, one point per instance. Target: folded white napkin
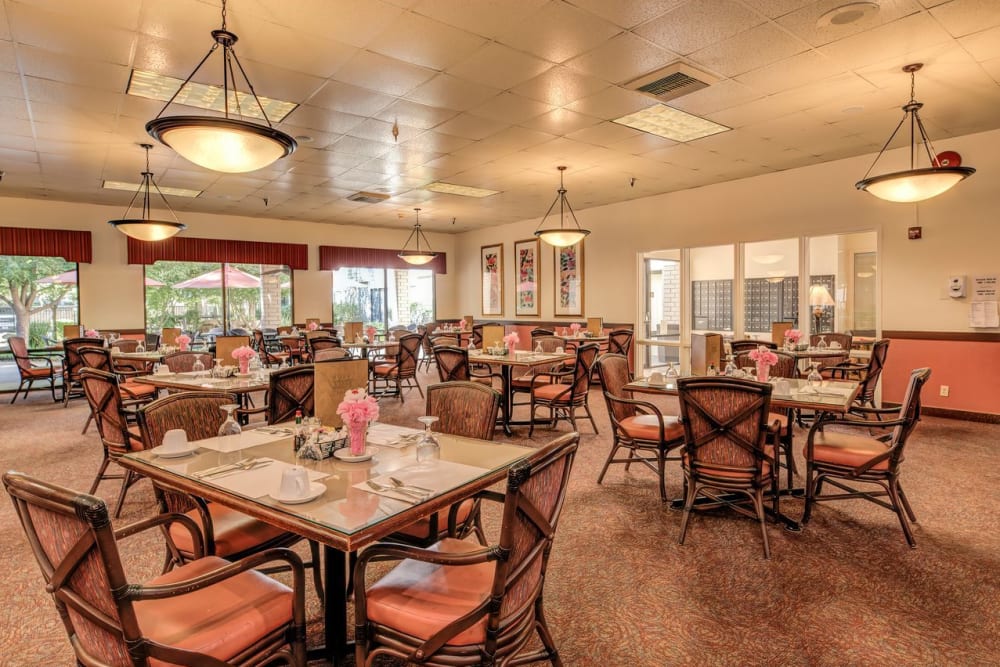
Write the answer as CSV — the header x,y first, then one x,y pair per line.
x,y
437,478
258,482
389,435
234,443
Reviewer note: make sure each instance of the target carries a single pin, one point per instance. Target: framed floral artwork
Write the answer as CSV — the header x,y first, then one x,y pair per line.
x,y
569,280
491,259
526,265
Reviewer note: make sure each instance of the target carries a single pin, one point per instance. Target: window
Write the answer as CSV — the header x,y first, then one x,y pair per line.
x,y
39,296
383,298
770,286
712,289
843,265
211,298
663,309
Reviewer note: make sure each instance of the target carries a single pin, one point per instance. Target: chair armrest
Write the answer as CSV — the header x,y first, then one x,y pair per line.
x,y
166,518
225,572
382,551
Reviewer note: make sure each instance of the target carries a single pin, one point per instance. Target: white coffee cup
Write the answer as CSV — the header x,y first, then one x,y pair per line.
x,y
116,350
559,350
656,377
835,345
174,440
294,482
163,369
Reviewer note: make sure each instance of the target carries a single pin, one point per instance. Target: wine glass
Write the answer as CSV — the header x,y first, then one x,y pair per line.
x,y
814,378
822,344
141,347
730,369
671,370
230,426
428,448
198,367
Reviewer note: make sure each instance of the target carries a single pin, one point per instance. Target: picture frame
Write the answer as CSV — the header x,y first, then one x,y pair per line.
x,y
527,263
491,271
569,280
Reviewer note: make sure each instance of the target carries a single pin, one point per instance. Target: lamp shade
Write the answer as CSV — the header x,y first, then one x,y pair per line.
x,y
916,184
561,237
222,144
819,296
566,234
416,255
147,230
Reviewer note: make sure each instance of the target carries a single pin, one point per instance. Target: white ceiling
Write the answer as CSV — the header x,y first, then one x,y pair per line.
x,y
486,93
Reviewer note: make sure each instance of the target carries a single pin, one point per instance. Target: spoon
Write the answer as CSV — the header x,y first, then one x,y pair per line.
x,y
416,497
400,484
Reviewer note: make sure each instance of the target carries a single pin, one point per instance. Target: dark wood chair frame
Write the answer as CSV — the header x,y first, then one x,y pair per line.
x,y
870,373
576,394
25,367
404,369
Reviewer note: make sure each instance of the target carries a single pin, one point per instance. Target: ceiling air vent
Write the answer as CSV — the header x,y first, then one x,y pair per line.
x,y
369,197
671,82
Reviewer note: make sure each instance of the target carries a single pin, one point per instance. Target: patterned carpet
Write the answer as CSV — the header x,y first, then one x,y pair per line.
x,y
621,591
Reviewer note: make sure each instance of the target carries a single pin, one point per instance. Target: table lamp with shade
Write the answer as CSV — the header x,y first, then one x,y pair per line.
x,y
819,298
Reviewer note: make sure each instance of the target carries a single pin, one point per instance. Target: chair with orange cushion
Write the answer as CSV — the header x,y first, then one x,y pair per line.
x,y
453,365
842,458
206,612
523,384
183,362
827,364
226,532
133,393
870,373
461,603
785,368
271,352
567,392
725,454
118,437
32,369
404,369
73,364
468,409
637,426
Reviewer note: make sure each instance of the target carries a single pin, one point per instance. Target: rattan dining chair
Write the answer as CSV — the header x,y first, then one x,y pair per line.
x,y
786,367
208,611
32,369
636,426
567,391
460,603
183,362
403,370
843,458
73,364
725,428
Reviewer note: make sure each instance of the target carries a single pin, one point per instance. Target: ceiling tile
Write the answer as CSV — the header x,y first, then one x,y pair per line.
x,y
628,13
415,115
511,108
451,92
114,13
499,66
893,40
437,141
611,103
775,8
56,94
365,147
805,22
351,22
382,74
334,122
965,17
61,33
470,126
560,122
422,41
484,17
605,134
622,58
350,99
983,45
8,62
791,72
380,130
759,46
698,24
559,86
559,32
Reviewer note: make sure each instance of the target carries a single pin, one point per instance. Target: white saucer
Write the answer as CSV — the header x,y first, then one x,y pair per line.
x,y
176,454
656,384
344,454
316,489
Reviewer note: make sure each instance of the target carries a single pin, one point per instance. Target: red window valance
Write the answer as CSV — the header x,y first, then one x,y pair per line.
x,y
189,249
70,245
333,257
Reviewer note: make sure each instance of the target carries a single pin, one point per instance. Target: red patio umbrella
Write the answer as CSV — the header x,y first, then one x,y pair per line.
x,y
213,278
69,278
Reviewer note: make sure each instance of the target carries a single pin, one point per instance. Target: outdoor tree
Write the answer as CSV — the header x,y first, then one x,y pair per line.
x,y
21,291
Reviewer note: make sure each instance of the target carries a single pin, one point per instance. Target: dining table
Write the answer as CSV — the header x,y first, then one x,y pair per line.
x,y
829,397
351,503
508,362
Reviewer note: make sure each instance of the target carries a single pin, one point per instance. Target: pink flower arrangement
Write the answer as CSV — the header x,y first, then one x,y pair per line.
x,y
312,326
242,352
511,340
183,339
793,335
762,355
91,333
358,407
371,333
575,328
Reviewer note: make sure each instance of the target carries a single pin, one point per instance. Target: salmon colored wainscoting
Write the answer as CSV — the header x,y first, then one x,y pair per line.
x,y
967,363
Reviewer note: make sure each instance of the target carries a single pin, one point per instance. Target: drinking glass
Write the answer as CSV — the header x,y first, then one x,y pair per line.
x,y
730,369
671,370
230,426
141,347
814,378
822,344
428,449
198,366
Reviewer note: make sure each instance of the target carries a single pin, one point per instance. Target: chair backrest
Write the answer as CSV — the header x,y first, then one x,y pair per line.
x,y
104,397
880,350
318,333
409,350
477,335
452,363
291,389
71,352
425,341
541,331
585,355
71,536
282,330
786,367
258,340
331,354
126,344
168,335
20,351
533,502
614,373
224,346
620,341
325,342
183,362
909,413
844,339
725,424
96,357
443,339
548,343
749,344
464,408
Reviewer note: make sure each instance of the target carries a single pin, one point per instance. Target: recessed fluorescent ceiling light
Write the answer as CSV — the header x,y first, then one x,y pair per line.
x,y
155,86
132,187
462,190
671,123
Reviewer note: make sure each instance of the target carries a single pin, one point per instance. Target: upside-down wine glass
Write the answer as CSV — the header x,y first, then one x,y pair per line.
x,y
815,379
230,426
428,449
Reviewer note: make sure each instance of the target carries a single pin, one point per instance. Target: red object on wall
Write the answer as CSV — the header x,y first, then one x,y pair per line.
x,y
71,245
190,249
948,159
333,257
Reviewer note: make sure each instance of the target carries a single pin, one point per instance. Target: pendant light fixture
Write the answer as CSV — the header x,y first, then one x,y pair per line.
x,y
222,144
914,184
145,228
415,255
563,235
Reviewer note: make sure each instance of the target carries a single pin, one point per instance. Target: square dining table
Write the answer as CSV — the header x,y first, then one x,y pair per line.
x,y
346,515
507,363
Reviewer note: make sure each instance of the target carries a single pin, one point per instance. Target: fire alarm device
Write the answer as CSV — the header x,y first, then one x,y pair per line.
x,y
956,287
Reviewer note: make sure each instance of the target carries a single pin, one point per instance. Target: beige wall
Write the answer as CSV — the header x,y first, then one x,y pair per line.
x,y
111,292
960,236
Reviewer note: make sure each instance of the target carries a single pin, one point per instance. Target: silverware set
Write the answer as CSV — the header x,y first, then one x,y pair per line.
x,y
414,494
218,472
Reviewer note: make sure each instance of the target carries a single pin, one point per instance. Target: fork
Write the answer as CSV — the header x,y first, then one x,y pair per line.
x,y
400,484
414,497
253,466
230,467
